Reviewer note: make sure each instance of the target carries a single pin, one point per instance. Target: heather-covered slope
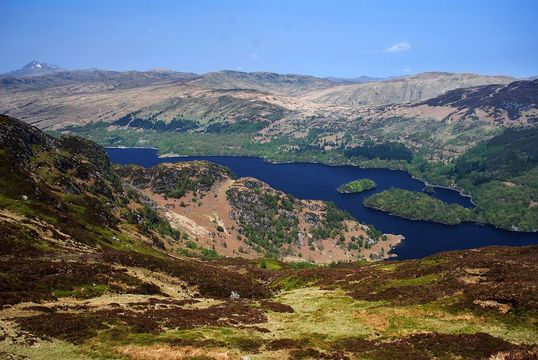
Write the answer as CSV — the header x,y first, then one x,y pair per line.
x,y
90,270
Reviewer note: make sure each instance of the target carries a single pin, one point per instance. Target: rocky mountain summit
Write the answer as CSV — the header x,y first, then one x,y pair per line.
x,y
35,68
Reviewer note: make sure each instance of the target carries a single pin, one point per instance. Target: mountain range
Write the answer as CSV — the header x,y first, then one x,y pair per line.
x,y
280,105
231,94
437,117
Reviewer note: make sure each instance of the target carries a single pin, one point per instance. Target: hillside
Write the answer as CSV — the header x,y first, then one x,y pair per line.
x,y
401,90
501,175
89,269
512,100
209,210
278,84
245,217
87,96
268,114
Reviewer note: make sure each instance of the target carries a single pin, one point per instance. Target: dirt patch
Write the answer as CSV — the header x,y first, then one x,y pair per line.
x,y
377,321
164,352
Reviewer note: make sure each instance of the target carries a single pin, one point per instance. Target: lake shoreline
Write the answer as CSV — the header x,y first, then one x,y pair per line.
x,y
311,180
269,161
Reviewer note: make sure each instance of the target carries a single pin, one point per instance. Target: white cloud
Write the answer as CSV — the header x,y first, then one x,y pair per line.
x,y
254,56
407,70
403,46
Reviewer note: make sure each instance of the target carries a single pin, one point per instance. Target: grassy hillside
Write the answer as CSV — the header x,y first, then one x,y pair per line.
x,y
85,273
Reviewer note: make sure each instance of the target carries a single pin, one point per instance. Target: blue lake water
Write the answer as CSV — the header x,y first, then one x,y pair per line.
x,y
316,181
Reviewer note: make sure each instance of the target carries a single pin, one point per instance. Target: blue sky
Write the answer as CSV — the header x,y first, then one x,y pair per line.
x,y
344,38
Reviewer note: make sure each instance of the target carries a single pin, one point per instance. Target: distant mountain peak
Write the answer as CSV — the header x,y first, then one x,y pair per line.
x,y
34,68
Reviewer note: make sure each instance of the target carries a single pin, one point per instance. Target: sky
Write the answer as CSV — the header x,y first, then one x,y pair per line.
x,y
341,38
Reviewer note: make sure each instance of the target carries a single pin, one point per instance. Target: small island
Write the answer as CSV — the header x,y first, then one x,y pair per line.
x,y
357,186
418,206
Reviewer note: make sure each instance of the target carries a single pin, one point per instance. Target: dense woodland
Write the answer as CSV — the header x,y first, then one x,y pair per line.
x,y
418,206
502,176
386,151
357,186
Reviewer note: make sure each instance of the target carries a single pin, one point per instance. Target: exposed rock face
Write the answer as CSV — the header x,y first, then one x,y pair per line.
x,y
92,152
257,206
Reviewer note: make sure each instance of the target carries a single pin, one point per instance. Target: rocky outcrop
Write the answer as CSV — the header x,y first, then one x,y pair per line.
x,y
168,178
66,164
265,215
18,139
246,217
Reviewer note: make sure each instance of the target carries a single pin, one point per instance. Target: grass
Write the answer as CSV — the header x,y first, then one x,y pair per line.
x,y
331,315
225,338
421,280
326,315
48,350
24,208
83,292
291,282
388,268
124,242
270,264
298,265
